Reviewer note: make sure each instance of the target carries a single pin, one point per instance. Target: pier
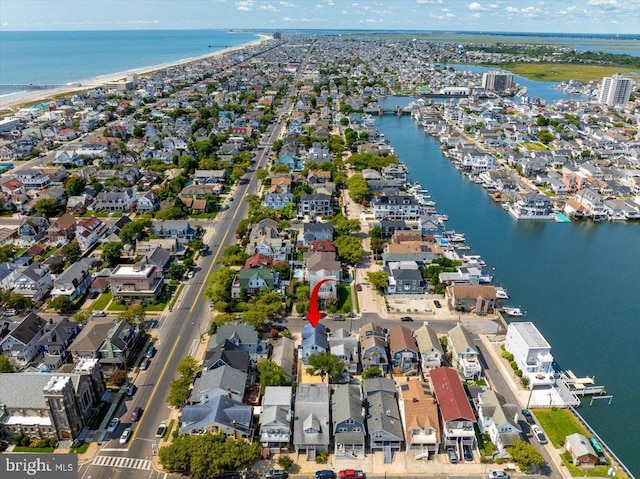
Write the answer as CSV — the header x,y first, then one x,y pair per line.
x,y
33,86
582,386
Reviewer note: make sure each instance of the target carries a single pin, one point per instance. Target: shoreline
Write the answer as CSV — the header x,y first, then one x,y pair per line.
x,y
10,103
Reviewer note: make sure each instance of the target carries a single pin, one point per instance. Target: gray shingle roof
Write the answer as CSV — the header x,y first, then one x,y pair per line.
x,y
24,390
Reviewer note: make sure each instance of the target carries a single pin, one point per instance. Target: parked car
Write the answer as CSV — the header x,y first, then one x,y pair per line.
x,y
498,475
131,390
358,287
113,425
338,317
350,474
437,303
538,434
275,473
126,434
325,474
151,351
99,314
94,295
468,453
453,456
162,428
406,318
145,364
528,416
190,274
135,415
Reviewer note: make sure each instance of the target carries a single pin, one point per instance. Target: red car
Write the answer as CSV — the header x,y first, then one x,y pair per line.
x,y
350,474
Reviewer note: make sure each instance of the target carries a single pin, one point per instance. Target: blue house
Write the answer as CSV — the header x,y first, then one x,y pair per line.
x,y
314,341
293,162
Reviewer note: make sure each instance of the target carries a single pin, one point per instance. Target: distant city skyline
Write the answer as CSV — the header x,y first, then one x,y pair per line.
x,y
535,16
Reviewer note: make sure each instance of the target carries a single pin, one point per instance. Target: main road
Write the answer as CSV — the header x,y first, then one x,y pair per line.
x,y
179,335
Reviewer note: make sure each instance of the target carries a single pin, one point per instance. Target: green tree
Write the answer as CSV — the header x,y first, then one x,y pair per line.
x,y
133,314
349,249
188,367
358,188
285,462
17,301
75,185
262,174
176,271
5,365
71,252
62,304
325,364
82,316
271,375
136,230
545,137
345,226
526,455
377,246
378,279
370,373
179,392
46,206
111,253
172,213
375,232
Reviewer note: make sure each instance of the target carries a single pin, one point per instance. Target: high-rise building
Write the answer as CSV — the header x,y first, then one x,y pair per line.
x,y
615,90
497,80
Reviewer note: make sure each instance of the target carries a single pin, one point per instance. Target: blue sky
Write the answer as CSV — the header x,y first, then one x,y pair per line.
x,y
567,16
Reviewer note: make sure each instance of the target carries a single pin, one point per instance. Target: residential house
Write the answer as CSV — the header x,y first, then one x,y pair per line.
x,y
311,421
141,280
322,245
145,247
147,202
348,422
55,343
405,278
498,419
251,281
62,229
457,418
419,413
388,227
316,177
116,200
581,450
431,353
277,200
384,426
222,381
242,335
275,418
421,252
322,266
267,238
258,261
160,258
33,281
404,350
21,344
480,299
315,204
29,401
226,354
73,281
175,229
373,351
464,354
207,177
396,207
344,345
314,341
283,354
32,229
317,232
33,180
108,341
89,231
531,352
220,414
593,202
289,158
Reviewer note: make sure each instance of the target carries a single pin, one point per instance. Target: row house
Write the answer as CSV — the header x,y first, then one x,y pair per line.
x,y
314,341
384,426
275,418
180,230
73,281
33,180
396,207
311,421
61,229
348,422
405,278
464,354
317,204
419,413
33,281
54,344
32,229
531,352
403,350
431,353
344,345
373,348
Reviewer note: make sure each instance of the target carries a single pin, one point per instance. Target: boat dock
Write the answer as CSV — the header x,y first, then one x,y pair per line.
x,y
581,386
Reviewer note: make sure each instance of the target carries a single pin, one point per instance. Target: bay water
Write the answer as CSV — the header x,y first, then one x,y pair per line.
x,y
579,282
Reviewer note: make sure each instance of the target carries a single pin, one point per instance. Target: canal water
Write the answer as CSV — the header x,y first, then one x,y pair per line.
x,y
579,282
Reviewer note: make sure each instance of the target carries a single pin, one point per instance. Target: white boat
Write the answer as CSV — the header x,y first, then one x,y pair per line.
x,y
501,293
473,258
513,311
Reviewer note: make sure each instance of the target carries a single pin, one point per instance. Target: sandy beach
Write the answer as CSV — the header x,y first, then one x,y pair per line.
x,y
12,102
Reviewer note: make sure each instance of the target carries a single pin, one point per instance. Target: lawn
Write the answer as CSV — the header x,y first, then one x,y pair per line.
x,y
597,471
563,71
102,302
533,146
344,299
558,424
81,449
33,449
116,306
162,301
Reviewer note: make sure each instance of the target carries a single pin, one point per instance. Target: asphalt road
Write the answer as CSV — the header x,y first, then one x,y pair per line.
x,y
179,335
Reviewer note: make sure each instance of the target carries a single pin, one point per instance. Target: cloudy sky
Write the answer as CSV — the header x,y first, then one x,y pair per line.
x,y
567,16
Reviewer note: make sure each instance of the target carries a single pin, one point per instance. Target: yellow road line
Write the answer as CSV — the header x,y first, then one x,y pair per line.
x,y
155,388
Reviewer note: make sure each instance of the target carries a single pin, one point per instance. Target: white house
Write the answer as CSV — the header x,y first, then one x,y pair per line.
x,y
498,419
531,352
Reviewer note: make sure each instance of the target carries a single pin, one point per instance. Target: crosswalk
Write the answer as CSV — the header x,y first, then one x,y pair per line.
x,y
125,462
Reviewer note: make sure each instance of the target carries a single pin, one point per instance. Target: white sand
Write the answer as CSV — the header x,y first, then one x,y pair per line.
x,y
12,101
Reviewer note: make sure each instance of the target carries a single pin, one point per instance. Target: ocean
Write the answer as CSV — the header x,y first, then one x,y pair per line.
x,y
76,56
578,282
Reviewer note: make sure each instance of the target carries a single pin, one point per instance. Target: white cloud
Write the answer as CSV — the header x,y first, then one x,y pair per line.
x,y
269,8
475,15
429,2
612,3
443,16
304,20
288,5
245,5
476,6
